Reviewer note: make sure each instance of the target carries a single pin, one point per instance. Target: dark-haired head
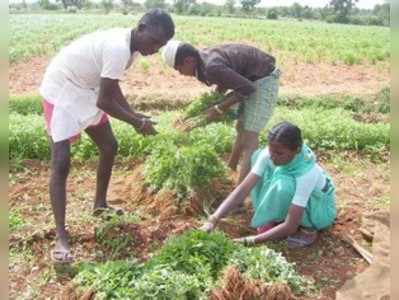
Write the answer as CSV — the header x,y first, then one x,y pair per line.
x,y
154,30
187,59
285,141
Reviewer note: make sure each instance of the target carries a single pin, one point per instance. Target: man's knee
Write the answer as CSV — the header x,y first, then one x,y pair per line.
x,y
110,148
250,141
61,160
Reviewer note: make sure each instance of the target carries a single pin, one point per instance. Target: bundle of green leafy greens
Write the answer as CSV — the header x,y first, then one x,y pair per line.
x,y
194,116
188,267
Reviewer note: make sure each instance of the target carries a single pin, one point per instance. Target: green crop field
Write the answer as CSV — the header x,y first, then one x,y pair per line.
x,y
32,35
170,182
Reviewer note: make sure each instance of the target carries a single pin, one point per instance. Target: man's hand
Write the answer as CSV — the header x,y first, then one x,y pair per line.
x,y
212,114
220,90
147,127
140,115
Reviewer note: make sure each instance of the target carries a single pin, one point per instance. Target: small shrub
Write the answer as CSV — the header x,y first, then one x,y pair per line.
x,y
187,267
193,114
334,129
182,167
27,138
25,104
110,280
164,283
268,266
116,235
384,100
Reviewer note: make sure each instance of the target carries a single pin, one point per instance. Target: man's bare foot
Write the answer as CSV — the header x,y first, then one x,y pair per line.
x,y
62,251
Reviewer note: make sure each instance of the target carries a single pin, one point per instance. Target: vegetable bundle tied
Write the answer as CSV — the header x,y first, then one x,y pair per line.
x,y
194,116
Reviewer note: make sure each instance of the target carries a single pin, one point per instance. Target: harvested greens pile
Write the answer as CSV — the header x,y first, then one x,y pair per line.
x,y
194,265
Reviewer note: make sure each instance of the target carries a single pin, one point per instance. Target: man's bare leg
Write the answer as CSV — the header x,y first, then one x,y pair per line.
x,y
60,165
104,138
249,142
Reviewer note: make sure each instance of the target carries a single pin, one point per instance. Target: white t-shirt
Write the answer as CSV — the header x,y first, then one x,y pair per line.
x,y
72,80
315,178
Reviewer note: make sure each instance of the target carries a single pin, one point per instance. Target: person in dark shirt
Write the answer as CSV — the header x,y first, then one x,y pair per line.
x,y
249,73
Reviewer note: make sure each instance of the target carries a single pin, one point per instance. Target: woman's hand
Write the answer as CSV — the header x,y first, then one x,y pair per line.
x,y
209,225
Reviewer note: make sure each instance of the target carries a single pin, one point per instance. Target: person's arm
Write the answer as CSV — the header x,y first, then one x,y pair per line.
x,y
229,100
109,100
123,102
229,79
235,198
288,227
304,187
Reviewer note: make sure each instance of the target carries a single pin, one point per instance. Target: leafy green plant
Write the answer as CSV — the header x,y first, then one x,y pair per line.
x,y
110,280
35,34
182,167
357,104
25,104
269,266
187,267
15,220
194,250
164,283
219,135
193,116
200,104
334,129
323,129
384,100
115,235
365,104
27,138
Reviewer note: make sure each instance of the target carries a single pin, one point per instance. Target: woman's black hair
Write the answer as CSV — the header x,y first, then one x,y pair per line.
x,y
287,134
159,18
186,50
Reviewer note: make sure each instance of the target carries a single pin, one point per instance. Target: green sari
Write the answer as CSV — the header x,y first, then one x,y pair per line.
x,y
272,195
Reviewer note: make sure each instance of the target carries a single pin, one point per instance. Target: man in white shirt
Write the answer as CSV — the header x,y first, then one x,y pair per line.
x,y
80,88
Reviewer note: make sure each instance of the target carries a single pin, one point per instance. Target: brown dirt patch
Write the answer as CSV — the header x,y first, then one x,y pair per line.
x,y
25,77
371,117
157,83
322,79
330,261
